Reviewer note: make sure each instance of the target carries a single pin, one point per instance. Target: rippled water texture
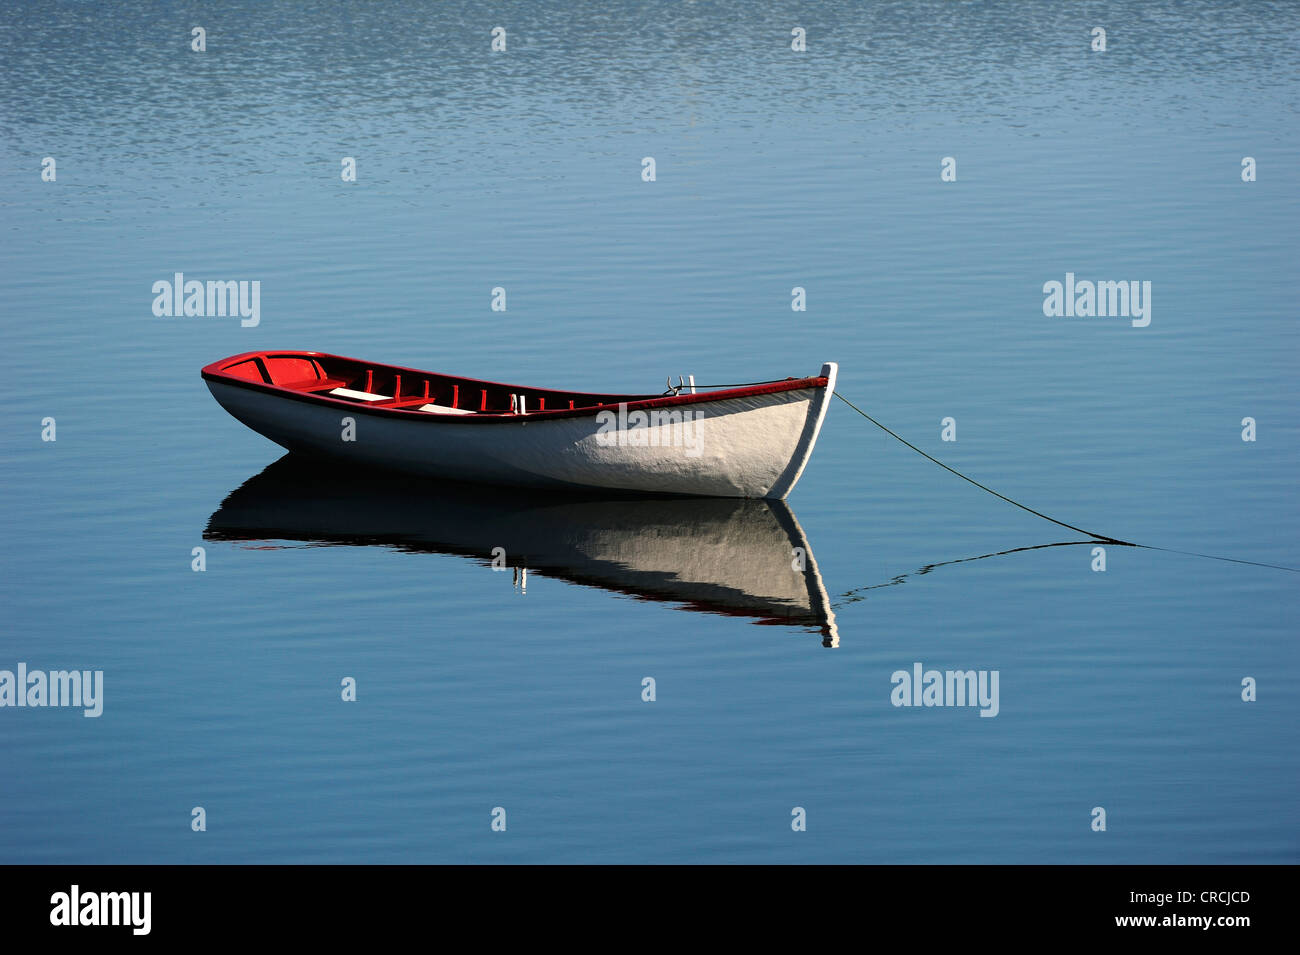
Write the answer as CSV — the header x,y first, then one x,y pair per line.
x,y
774,169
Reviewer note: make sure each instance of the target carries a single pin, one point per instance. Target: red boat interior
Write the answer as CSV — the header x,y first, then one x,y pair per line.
x,y
385,386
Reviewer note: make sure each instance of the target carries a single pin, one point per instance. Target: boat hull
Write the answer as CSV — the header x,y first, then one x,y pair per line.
x,y
750,443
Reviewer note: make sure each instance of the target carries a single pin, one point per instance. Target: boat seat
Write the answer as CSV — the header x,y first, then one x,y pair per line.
x,y
359,395
312,384
442,409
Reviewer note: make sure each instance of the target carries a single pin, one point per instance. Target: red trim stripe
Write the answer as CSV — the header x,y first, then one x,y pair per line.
x,y
217,372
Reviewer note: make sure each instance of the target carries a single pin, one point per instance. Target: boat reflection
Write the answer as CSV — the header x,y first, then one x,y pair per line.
x,y
743,558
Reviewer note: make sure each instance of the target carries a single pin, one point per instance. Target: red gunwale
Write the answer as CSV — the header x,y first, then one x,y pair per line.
x,y
599,402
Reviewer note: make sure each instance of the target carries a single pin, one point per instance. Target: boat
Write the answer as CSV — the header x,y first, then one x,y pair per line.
x,y
748,441
746,559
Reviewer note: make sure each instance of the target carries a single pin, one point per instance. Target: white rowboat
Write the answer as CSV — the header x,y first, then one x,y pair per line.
x,y
746,441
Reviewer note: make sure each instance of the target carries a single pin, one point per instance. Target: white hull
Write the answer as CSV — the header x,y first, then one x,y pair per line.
x,y
746,446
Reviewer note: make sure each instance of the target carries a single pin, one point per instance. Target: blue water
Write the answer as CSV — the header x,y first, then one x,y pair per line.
x,y
774,169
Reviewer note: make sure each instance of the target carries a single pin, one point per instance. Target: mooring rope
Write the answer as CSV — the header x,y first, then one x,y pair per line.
x,y
1103,538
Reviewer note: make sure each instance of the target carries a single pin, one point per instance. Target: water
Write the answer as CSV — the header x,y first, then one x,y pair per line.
x,y
774,169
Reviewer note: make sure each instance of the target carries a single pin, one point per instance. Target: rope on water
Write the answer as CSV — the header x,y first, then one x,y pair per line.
x,y
1095,536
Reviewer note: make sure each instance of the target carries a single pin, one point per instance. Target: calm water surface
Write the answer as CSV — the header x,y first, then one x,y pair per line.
x,y
774,169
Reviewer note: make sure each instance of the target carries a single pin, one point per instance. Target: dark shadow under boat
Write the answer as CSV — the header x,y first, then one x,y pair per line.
x,y
740,557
